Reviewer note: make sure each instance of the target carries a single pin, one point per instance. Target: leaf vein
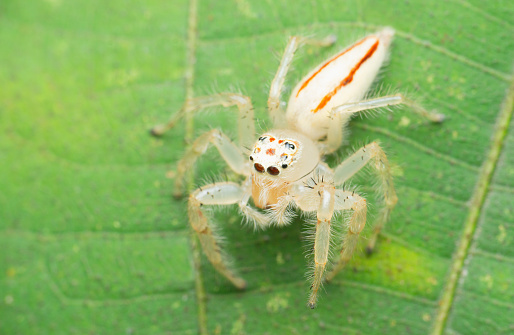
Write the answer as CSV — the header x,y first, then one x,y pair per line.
x,y
470,227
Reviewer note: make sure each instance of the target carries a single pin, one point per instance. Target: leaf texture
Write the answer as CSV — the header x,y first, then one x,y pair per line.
x,y
94,243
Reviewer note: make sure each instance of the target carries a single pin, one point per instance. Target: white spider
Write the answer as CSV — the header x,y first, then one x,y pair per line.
x,y
285,166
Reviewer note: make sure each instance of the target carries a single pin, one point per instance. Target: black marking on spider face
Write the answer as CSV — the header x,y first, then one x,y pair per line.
x,y
251,158
289,146
284,166
262,138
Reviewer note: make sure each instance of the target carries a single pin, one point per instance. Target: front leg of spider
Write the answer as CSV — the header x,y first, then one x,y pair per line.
x,y
323,197
208,195
326,193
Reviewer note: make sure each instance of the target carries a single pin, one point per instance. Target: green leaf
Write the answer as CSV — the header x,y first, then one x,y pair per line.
x,y
94,243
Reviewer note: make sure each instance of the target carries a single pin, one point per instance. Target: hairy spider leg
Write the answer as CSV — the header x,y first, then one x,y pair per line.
x,y
231,153
346,200
326,199
225,193
342,115
246,122
275,112
370,153
324,215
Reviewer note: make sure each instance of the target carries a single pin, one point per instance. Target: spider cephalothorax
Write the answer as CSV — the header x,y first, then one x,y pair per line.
x,y
277,159
279,154
278,168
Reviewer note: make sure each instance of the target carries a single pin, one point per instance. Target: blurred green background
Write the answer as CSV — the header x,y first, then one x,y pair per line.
x,y
93,243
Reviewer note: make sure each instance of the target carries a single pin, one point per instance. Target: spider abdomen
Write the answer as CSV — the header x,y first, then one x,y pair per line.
x,y
343,78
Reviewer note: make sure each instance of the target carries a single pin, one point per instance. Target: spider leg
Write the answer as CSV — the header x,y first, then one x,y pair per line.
x,y
214,194
342,114
227,149
245,122
321,198
275,112
371,153
346,200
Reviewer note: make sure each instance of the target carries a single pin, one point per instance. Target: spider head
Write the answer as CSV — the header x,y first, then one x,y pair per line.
x,y
283,154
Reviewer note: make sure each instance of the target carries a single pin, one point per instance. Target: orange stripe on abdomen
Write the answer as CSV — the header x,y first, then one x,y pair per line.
x,y
305,83
348,79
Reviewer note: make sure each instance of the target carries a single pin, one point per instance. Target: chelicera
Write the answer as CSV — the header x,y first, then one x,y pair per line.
x,y
284,168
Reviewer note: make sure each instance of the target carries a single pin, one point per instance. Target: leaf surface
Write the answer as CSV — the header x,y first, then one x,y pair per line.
x,y
94,243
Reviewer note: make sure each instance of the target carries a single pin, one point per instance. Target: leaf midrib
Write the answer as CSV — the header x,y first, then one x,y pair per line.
x,y
476,204
192,36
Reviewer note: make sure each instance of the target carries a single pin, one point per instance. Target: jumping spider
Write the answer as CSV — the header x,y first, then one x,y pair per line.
x,y
285,168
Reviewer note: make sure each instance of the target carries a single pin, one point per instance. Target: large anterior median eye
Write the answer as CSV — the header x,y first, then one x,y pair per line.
x,y
273,170
259,167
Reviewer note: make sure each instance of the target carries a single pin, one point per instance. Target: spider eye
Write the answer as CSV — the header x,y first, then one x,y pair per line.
x,y
251,158
289,146
284,166
273,170
259,167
